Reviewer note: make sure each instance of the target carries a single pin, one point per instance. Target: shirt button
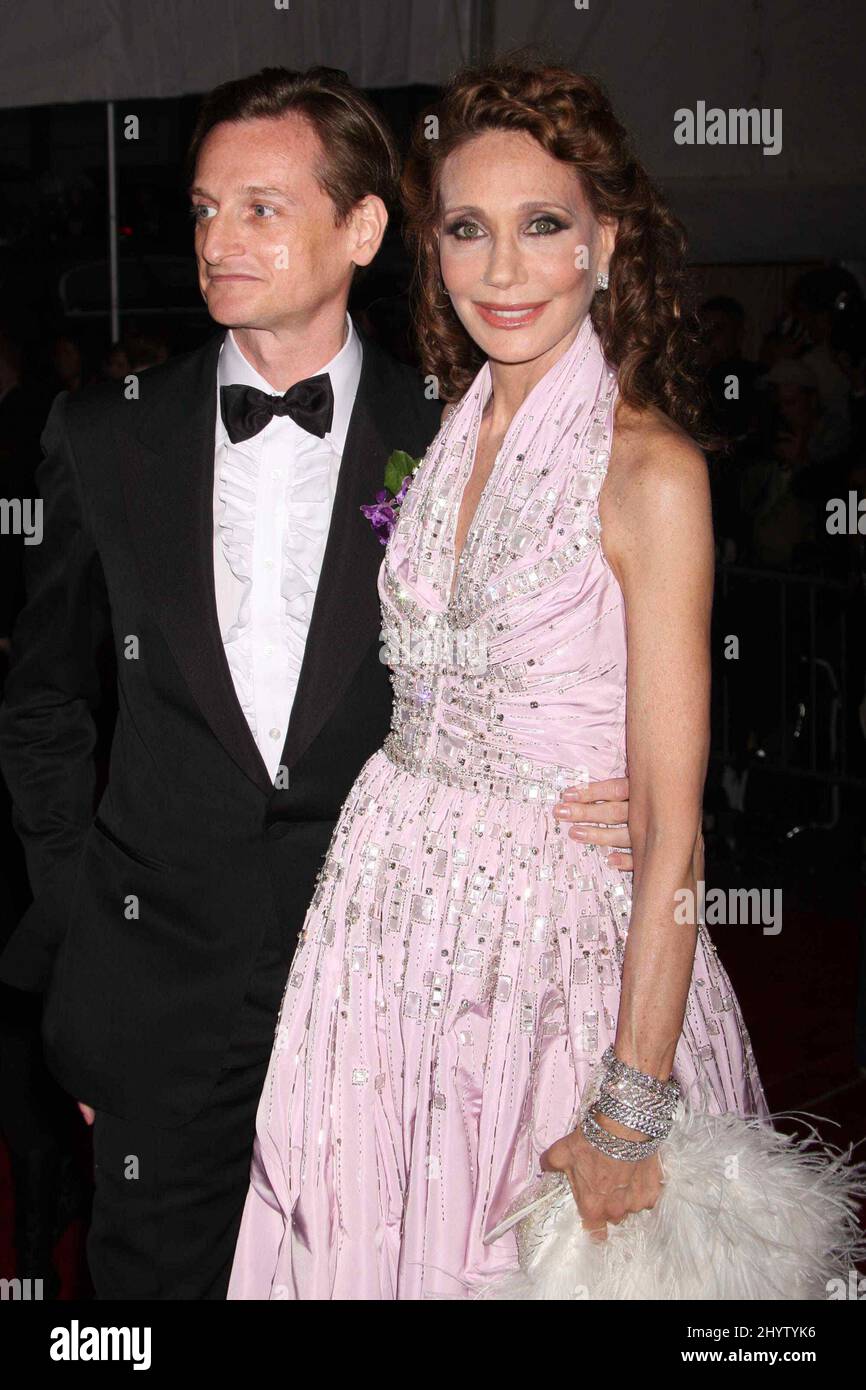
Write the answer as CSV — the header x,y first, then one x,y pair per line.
x,y
269,564
269,651
276,474
275,733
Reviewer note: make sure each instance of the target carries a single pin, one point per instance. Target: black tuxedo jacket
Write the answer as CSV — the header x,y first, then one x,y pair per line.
x,y
147,917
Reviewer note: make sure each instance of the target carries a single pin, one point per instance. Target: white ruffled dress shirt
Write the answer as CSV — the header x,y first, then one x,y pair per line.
x,y
272,502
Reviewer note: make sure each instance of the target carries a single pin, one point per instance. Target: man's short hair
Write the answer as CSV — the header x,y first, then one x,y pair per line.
x,y
359,153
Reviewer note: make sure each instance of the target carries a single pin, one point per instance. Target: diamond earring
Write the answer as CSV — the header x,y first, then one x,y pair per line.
x,y
442,290
602,281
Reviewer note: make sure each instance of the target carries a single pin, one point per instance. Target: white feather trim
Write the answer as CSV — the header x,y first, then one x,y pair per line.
x,y
747,1212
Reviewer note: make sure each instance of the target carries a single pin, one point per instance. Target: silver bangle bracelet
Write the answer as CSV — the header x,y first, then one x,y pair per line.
x,y
658,1112
664,1091
627,1150
656,1126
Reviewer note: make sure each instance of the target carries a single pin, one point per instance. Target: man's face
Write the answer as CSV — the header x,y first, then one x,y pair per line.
x,y
269,252
797,404
721,337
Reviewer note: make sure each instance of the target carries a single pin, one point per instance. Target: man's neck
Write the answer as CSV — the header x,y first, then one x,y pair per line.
x,y
285,356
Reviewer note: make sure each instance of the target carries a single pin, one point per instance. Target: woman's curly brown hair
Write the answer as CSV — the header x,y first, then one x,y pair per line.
x,y
646,320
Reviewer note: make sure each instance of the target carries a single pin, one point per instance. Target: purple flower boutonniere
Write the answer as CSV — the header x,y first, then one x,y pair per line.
x,y
382,514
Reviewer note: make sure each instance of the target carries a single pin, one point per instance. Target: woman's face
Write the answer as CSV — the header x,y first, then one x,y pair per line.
x,y
517,235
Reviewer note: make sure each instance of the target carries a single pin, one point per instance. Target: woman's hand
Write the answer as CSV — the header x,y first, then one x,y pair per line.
x,y
605,1189
598,813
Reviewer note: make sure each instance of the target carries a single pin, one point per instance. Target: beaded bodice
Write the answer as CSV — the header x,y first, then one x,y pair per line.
x,y
515,683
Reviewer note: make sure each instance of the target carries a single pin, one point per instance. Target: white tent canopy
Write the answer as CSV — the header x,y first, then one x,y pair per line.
x,y
92,50
799,59
806,61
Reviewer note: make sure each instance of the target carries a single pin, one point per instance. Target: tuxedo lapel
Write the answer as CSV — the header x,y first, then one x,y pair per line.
x,y
346,616
167,467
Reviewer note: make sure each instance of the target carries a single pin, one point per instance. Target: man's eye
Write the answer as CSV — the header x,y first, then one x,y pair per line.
x,y
197,209
264,208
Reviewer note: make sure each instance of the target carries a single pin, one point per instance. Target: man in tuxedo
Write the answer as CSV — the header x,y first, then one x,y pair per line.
x,y
208,517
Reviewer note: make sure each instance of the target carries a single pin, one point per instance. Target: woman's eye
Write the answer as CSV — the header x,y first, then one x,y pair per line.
x,y
551,223
264,208
470,231
459,227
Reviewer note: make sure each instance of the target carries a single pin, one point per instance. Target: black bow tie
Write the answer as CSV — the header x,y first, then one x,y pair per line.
x,y
246,410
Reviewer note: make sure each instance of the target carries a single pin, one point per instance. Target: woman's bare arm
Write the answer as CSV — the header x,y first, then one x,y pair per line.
x,y
657,535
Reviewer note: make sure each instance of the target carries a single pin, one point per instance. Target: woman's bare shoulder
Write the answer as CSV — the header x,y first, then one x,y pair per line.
x,y
645,437
657,480
648,444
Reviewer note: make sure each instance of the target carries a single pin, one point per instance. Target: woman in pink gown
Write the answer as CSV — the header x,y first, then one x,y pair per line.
x,y
461,967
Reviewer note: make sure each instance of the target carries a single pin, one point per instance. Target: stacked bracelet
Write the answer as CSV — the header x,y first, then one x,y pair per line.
x,y
628,1150
636,1099
654,1125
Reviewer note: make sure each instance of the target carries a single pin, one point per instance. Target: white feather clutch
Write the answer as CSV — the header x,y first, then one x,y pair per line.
x,y
746,1213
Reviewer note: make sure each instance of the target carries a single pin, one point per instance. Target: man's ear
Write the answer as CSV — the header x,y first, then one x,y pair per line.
x,y
369,220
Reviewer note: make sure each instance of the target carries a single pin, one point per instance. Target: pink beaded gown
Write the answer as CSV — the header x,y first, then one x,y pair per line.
x,y
458,973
